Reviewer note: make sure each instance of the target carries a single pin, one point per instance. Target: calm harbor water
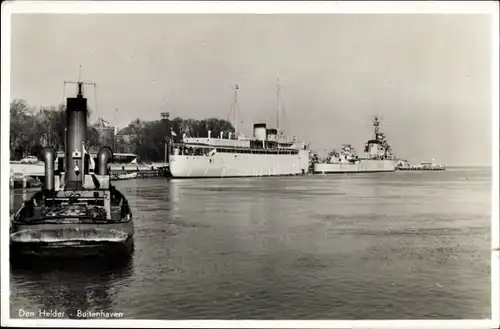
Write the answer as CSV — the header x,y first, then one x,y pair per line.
x,y
405,245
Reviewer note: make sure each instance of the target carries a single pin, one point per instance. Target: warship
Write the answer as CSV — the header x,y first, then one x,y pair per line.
x,y
377,157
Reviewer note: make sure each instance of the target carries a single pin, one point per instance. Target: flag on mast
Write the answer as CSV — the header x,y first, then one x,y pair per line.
x,y
91,162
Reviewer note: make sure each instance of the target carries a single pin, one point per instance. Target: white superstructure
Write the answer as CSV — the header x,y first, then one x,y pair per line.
x,y
267,153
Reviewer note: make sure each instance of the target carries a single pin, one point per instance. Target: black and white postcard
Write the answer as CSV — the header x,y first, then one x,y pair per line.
x,y
250,164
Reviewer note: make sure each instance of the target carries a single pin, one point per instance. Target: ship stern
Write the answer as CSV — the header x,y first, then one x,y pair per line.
x,y
70,242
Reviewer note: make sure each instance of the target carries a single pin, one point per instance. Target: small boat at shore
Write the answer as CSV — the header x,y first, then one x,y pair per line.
x,y
78,212
18,180
125,176
403,165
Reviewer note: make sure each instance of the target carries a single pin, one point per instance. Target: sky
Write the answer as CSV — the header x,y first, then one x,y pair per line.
x,y
428,76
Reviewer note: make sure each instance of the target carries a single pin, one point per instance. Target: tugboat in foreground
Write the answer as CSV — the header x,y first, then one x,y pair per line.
x,y
78,212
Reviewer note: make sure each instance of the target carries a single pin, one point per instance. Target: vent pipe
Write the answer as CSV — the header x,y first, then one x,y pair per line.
x,y
49,157
103,157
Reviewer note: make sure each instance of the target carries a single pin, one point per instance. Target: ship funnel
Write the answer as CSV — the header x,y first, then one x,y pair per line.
x,y
76,135
49,157
260,131
221,134
209,133
230,133
103,157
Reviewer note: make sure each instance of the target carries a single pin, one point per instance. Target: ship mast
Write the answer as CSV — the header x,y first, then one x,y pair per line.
x,y
376,127
278,105
235,106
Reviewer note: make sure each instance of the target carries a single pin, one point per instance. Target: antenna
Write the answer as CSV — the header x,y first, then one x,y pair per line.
x,y
79,85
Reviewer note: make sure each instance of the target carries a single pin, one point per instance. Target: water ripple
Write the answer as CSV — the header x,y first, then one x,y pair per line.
x,y
374,246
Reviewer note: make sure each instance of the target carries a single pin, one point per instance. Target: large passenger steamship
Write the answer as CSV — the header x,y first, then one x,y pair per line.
x,y
267,153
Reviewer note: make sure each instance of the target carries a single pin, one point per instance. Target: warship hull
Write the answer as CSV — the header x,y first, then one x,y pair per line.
x,y
362,166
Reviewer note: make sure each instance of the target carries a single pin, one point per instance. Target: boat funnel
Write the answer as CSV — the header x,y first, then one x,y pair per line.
x,y
49,157
209,133
103,157
221,134
260,131
76,135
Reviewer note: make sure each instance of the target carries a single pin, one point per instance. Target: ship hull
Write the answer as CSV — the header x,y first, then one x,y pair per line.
x,y
71,240
363,166
125,176
223,165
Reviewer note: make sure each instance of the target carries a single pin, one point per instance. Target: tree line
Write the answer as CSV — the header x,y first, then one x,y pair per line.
x,y
31,128
150,136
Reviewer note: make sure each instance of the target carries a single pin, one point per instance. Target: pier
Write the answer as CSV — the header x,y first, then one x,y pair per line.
x,y
421,168
32,175
153,173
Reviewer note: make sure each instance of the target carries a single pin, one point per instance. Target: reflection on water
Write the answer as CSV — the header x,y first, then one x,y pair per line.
x,y
68,287
371,246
